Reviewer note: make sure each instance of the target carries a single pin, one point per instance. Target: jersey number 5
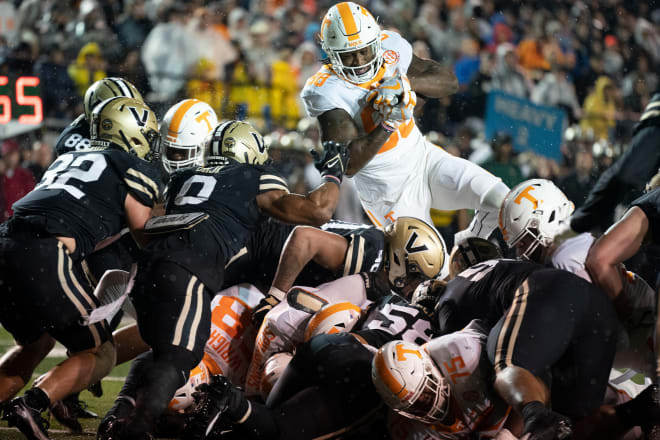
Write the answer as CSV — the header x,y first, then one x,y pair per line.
x,y
85,168
204,188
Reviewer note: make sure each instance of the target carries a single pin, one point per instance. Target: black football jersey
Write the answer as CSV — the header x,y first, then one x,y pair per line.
x,y
82,195
484,291
228,195
650,204
257,262
75,137
392,318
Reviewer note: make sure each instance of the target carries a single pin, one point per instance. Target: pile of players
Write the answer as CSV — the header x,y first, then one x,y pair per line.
x,y
259,317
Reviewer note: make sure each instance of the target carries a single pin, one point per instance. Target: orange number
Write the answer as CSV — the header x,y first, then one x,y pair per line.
x,y
318,79
226,318
456,364
35,101
5,102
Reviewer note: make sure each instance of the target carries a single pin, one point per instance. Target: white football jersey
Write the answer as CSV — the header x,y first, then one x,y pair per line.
x,y
398,160
479,411
572,254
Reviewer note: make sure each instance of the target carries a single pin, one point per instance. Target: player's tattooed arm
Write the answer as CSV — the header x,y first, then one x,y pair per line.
x,y
315,208
304,245
619,243
337,125
431,79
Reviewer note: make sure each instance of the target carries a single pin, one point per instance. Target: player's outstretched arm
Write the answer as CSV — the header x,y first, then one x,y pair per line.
x,y
306,244
337,125
431,79
619,243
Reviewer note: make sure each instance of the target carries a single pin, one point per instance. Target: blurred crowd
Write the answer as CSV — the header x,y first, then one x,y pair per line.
x,y
248,59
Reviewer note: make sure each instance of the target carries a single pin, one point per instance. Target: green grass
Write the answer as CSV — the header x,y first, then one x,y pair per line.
x,y
98,405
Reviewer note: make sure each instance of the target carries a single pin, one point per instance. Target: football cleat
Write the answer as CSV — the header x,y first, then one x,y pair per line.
x,y
28,420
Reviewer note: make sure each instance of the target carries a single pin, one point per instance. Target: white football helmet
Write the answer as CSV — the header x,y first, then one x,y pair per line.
x,y
333,318
183,396
273,369
183,131
533,211
348,27
409,382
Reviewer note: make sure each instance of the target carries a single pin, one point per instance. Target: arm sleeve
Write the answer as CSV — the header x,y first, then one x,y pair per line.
x,y
272,182
144,183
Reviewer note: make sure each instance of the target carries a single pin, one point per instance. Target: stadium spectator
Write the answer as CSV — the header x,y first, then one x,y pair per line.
x,y
556,90
502,164
600,108
506,76
88,68
58,91
134,25
16,180
577,184
168,54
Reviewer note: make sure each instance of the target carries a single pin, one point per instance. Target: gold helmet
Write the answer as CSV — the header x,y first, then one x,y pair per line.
x,y
235,140
128,124
413,246
107,88
471,251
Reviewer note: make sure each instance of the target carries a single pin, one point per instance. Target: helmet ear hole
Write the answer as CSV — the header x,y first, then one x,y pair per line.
x,y
552,216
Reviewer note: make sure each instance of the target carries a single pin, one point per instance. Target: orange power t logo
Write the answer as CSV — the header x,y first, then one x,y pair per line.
x,y
526,195
401,352
204,117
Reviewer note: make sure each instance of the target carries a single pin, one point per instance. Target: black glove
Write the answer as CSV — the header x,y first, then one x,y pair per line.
x,y
544,424
333,163
264,306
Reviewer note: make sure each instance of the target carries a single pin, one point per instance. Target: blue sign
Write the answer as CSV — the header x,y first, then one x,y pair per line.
x,y
533,127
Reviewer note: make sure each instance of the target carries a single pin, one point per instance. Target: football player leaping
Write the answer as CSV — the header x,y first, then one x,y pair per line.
x,y
365,96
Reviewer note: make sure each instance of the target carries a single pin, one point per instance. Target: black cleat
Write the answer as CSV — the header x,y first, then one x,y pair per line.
x,y
649,408
110,428
211,401
28,420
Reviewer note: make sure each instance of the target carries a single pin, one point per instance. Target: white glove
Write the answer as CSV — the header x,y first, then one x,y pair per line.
x,y
394,100
388,91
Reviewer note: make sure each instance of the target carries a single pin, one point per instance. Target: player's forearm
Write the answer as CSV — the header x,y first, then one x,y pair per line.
x,y
294,257
364,148
436,81
619,243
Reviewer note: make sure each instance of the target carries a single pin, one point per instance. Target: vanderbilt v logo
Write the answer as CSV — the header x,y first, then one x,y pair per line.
x,y
142,121
410,246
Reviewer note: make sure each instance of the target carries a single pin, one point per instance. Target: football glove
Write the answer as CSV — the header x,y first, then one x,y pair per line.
x,y
544,424
333,163
388,91
264,306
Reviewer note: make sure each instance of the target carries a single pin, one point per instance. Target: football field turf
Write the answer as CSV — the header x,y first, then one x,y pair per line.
x,y
100,406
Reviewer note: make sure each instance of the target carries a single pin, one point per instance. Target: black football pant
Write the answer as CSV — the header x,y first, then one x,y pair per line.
x,y
174,318
42,290
563,330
